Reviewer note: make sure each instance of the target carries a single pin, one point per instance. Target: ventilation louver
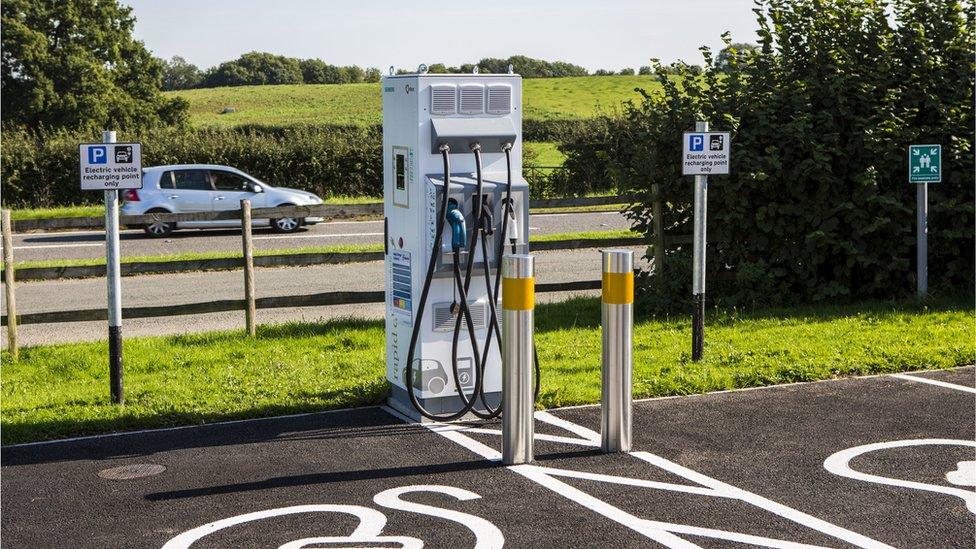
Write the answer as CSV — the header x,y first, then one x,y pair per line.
x,y
499,99
444,321
472,99
443,99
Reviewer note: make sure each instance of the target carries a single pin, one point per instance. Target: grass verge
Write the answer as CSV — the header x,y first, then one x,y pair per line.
x,y
56,391
334,249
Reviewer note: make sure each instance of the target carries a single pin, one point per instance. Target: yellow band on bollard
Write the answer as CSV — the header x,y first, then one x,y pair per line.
x,y
618,288
518,294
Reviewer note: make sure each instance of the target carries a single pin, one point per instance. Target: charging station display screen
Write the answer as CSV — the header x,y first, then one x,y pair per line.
x,y
401,171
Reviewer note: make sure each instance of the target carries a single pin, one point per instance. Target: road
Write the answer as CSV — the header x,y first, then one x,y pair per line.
x,y
174,289
868,462
91,244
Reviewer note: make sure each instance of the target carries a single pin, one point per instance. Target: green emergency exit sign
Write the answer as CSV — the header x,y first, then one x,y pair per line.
x,y
925,163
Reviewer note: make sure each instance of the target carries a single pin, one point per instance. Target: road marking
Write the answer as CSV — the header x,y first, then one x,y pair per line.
x,y
945,384
486,534
40,246
371,522
839,464
662,532
334,235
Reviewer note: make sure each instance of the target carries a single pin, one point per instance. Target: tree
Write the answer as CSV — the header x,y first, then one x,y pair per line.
x,y
74,64
816,206
314,71
372,75
178,74
722,60
626,72
645,70
255,68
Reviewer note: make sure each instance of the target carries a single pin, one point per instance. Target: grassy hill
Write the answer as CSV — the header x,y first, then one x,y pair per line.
x,y
544,98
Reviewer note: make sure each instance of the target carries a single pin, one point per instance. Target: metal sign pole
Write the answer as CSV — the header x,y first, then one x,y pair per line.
x,y
114,276
922,252
518,325
698,261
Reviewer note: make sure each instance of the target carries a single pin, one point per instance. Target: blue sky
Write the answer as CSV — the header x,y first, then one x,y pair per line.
x,y
380,33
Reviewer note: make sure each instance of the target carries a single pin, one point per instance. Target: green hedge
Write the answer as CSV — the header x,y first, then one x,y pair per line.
x,y
40,169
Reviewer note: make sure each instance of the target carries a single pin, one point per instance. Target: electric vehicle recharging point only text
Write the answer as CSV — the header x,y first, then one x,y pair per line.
x,y
455,201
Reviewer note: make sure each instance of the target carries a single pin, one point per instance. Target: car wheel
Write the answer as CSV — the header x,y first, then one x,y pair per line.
x,y
286,224
158,229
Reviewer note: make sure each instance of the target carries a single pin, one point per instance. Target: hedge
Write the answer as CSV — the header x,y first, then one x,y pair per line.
x,y
40,169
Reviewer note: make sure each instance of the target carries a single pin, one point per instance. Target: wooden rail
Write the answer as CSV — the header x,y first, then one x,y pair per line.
x,y
224,305
328,211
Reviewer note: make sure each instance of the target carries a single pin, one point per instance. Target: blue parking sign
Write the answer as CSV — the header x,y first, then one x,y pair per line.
x,y
97,155
696,142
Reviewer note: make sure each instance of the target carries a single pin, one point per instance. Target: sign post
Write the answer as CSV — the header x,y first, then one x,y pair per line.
x,y
108,167
924,167
704,153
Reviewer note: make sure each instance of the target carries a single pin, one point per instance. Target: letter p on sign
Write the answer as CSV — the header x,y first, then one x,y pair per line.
x,y
696,142
97,155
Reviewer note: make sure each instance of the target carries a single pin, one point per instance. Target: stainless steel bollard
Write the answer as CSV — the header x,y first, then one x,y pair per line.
x,y
617,357
518,326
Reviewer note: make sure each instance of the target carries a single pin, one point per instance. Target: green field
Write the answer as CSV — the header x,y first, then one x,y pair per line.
x,y
543,98
55,391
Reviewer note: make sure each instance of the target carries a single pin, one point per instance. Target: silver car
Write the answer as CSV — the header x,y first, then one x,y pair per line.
x,y
186,188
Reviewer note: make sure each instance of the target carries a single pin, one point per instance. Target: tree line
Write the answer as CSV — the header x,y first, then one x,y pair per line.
x,y
258,68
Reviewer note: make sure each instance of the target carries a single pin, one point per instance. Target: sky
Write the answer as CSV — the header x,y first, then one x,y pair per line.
x,y
380,33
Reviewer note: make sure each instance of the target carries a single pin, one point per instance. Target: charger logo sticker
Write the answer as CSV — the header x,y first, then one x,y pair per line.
x,y
401,294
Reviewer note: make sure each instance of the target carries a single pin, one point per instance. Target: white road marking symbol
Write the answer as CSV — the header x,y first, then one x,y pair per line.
x,y
964,475
665,533
371,522
839,464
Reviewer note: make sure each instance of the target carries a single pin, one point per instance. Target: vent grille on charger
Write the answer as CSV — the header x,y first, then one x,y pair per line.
x,y
499,99
444,320
443,99
472,99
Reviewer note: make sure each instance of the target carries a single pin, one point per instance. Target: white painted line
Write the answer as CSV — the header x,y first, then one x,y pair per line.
x,y
662,532
334,235
611,479
538,436
763,503
599,506
40,246
839,464
587,434
936,382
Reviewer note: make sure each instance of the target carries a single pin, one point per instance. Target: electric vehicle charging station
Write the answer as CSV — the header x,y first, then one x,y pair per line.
x,y
443,253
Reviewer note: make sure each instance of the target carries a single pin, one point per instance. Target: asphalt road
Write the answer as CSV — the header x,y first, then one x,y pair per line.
x,y
175,289
869,462
91,244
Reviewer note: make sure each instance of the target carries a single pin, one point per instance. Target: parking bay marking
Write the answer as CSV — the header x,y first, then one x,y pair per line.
x,y
936,382
662,532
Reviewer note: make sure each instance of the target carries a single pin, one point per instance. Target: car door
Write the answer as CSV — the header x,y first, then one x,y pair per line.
x,y
191,192
229,189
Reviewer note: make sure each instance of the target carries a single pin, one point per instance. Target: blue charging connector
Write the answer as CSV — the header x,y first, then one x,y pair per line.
x,y
458,230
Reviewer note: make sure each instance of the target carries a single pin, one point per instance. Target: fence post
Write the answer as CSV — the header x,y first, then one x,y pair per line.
x,y
249,305
656,213
617,366
8,280
518,325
